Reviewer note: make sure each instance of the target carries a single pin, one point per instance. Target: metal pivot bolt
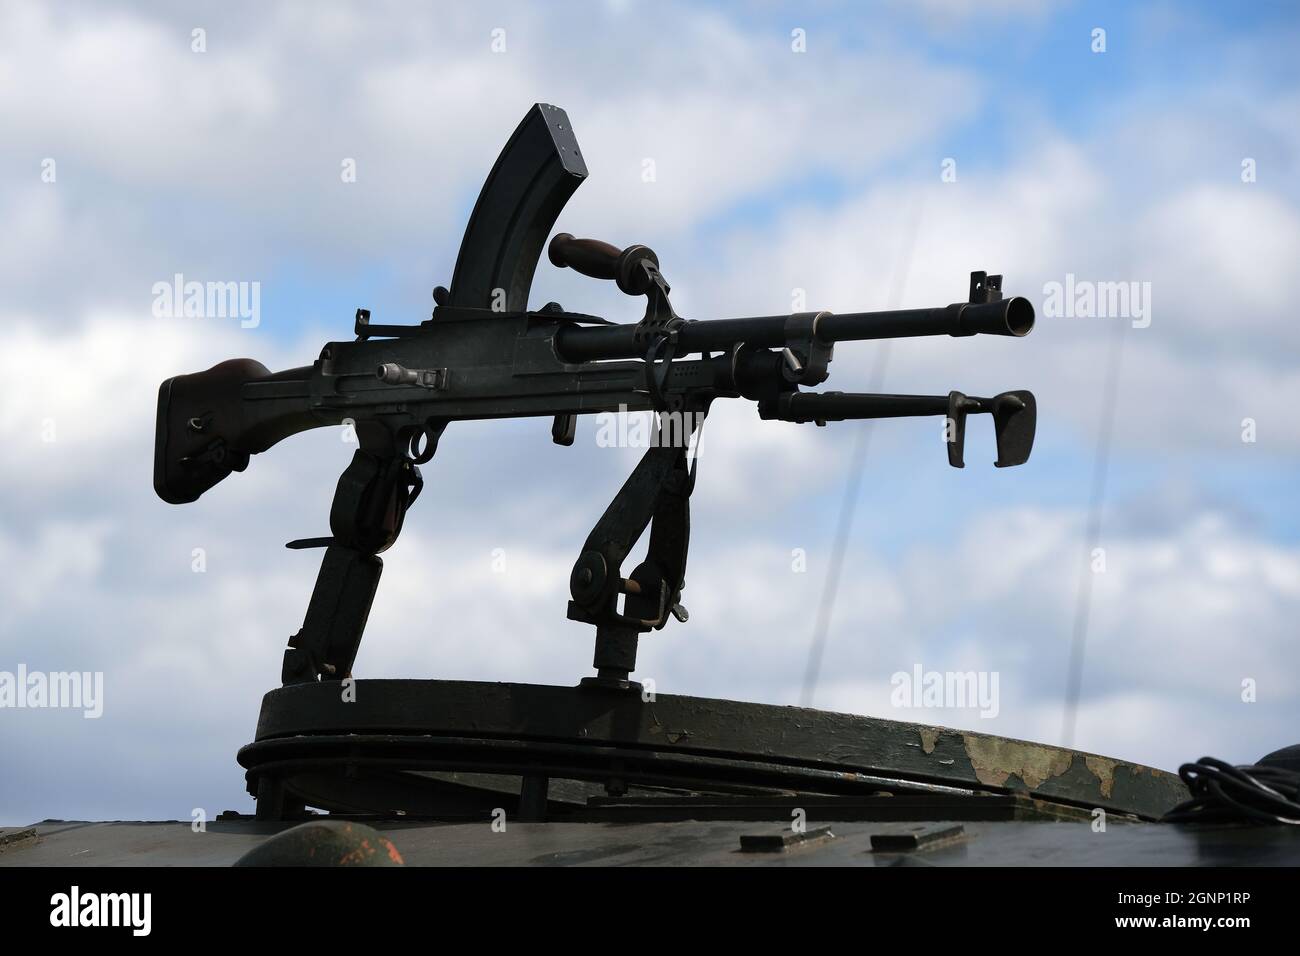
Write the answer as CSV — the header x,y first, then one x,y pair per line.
x,y
587,581
390,373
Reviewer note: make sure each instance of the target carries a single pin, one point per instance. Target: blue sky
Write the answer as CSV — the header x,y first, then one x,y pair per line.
x,y
775,171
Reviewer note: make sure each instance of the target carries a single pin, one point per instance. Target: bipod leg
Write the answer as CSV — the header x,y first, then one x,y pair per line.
x,y
656,494
366,517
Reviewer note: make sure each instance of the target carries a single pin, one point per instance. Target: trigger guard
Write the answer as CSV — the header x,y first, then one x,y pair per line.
x,y
409,441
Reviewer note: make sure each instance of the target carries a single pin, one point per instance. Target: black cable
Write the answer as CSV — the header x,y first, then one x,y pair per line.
x,y
1222,793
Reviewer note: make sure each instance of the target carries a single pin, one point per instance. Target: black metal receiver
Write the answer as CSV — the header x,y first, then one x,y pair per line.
x,y
483,354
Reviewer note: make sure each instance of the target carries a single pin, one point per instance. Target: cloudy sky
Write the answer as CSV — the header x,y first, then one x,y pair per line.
x,y
869,155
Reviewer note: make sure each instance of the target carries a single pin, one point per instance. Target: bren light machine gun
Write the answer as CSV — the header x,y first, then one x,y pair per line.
x,y
451,749
484,354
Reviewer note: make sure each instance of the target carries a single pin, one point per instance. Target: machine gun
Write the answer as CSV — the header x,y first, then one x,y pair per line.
x,y
484,354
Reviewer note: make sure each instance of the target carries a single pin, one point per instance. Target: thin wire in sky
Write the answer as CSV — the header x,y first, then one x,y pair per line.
x,y
1096,502
857,461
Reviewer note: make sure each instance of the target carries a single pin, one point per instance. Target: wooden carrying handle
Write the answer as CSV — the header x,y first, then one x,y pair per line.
x,y
600,260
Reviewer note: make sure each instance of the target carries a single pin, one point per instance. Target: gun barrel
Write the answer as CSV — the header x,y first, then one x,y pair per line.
x,y
1014,316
